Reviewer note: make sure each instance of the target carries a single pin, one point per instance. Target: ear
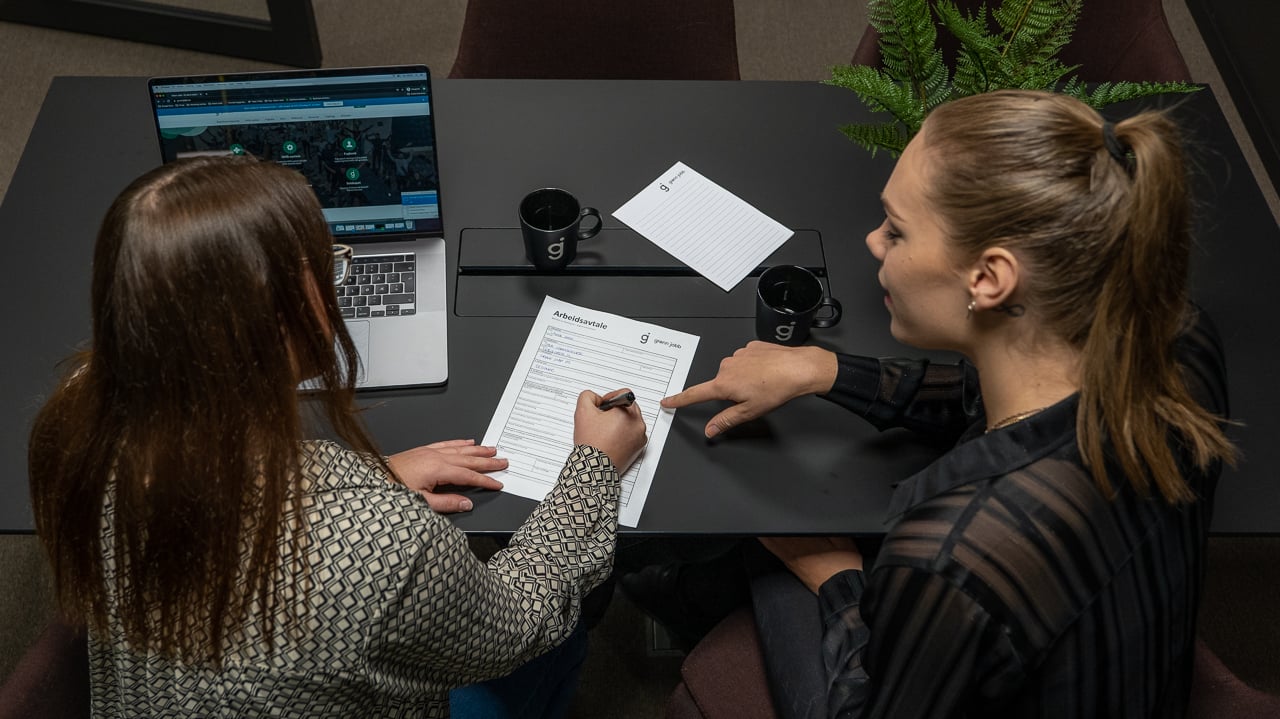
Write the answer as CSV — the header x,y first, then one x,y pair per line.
x,y
993,278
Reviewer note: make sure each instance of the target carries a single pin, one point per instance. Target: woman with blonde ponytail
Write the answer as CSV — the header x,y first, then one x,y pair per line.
x,y
1049,564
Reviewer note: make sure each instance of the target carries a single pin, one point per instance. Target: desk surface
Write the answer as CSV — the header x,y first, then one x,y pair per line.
x,y
810,467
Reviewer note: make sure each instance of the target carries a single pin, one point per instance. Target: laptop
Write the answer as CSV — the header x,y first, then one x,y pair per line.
x,y
365,139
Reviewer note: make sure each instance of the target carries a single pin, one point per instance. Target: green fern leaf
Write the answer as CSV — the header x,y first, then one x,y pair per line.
x,y
1034,35
1015,45
880,93
1109,93
885,136
908,47
978,54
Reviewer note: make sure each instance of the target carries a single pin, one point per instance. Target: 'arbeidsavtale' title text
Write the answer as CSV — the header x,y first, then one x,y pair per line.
x,y
573,318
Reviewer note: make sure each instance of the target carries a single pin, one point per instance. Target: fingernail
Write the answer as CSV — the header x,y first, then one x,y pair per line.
x,y
465,505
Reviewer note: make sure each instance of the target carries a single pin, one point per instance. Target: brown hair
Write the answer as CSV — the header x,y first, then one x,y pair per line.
x,y
184,412
1106,239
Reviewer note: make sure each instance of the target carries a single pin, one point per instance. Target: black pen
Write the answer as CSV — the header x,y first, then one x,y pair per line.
x,y
623,400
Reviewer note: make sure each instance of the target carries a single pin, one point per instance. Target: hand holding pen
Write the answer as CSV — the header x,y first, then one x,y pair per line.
x,y
619,434
623,400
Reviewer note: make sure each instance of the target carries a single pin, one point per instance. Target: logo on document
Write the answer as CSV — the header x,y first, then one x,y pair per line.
x,y
644,338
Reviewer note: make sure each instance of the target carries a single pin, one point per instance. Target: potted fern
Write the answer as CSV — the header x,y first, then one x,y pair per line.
x,y
1014,45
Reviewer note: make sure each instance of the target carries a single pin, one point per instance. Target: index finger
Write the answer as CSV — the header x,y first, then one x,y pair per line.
x,y
698,393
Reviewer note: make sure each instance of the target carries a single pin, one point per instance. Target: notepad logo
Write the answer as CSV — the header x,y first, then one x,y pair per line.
x,y
555,250
783,332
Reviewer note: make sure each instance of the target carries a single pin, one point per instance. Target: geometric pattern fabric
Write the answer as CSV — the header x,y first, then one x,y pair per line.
x,y
397,609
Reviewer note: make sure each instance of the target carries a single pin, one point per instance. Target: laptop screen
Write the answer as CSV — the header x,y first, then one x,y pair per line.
x,y
363,137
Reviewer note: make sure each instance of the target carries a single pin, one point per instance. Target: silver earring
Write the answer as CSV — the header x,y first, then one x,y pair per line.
x,y
973,305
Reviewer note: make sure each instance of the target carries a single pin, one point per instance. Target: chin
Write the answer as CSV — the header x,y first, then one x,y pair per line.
x,y
900,334
912,339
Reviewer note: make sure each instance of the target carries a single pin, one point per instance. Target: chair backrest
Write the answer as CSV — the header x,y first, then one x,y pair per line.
x,y
1216,693
724,676
1114,40
51,680
597,39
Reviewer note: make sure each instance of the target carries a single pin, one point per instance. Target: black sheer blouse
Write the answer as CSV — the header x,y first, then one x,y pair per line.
x,y
1009,584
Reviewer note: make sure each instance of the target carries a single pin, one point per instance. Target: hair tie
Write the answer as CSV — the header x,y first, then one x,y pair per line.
x,y
1117,149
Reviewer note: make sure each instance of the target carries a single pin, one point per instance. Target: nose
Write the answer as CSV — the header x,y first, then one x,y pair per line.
x,y
875,243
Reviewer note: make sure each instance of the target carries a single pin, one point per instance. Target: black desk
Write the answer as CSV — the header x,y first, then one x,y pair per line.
x,y
809,467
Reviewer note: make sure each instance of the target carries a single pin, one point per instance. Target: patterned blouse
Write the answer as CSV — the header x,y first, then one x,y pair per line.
x,y
399,610
1010,585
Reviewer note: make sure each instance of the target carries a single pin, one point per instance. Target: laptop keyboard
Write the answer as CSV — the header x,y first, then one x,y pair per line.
x,y
379,286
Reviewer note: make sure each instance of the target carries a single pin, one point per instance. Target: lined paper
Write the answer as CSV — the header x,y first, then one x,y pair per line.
x,y
703,225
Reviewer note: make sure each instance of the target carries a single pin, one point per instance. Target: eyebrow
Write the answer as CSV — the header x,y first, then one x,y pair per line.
x,y
888,208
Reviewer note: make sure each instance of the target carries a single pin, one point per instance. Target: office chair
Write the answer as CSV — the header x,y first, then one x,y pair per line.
x,y
51,680
1216,693
724,678
1116,40
595,39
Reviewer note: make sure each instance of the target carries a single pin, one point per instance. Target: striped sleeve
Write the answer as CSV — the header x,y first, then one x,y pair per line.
x,y
932,399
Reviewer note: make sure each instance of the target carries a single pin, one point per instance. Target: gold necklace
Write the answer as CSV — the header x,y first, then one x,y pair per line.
x,y
1013,418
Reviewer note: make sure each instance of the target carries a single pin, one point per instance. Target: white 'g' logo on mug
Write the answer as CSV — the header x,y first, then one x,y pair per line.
x,y
556,249
783,332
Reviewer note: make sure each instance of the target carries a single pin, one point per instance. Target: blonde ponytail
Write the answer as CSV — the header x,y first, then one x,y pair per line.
x,y
1132,392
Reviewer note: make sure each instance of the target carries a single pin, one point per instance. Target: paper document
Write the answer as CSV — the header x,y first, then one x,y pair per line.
x,y
570,349
703,225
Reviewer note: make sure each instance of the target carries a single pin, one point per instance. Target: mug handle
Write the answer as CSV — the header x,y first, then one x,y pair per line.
x,y
588,233
830,319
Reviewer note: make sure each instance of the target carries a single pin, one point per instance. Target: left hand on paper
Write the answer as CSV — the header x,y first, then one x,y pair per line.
x,y
814,560
759,378
455,463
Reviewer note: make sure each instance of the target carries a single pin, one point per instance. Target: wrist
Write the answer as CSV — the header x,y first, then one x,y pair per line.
x,y
587,450
821,368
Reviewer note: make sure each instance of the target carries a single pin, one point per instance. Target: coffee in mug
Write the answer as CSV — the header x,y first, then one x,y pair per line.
x,y
788,299
551,221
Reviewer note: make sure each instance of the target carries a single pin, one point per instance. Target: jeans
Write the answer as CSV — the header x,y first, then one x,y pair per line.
x,y
790,625
541,689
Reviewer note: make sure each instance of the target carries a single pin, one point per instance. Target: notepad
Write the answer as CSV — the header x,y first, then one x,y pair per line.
x,y
703,225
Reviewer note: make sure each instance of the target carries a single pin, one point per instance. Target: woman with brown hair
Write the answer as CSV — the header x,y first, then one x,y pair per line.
x,y
1049,564
225,566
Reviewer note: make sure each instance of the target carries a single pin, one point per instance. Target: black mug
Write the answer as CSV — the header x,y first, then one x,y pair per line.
x,y
551,221
788,299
